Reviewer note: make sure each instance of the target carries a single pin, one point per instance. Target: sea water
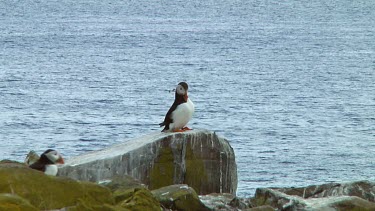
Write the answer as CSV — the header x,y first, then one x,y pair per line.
x,y
291,84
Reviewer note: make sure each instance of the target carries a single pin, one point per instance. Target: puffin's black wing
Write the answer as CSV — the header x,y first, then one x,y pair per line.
x,y
168,119
178,99
38,166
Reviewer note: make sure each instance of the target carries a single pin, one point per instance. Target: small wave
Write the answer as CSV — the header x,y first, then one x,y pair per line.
x,y
87,140
267,151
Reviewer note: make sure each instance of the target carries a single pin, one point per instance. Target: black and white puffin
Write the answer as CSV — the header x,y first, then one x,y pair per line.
x,y
180,112
48,161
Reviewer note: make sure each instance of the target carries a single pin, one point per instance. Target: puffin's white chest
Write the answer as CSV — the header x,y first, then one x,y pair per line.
x,y
51,170
182,115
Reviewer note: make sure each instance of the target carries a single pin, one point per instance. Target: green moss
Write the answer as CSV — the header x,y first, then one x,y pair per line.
x,y
47,192
123,182
141,200
187,201
195,176
354,204
11,202
187,204
179,197
162,173
121,195
106,207
123,187
258,201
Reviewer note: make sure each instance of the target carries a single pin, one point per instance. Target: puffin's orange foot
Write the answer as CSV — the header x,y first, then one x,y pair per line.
x,y
182,129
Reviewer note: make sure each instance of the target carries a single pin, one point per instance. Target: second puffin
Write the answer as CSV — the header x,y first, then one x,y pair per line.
x,y
180,112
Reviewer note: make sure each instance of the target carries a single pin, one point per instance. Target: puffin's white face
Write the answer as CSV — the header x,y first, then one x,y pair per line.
x,y
180,90
55,157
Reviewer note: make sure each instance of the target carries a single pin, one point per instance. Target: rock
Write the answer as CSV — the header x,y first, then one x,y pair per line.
x,y
82,206
140,200
123,194
122,182
274,198
362,189
179,197
14,202
341,203
198,158
261,208
217,201
46,192
239,203
11,163
334,196
223,202
123,187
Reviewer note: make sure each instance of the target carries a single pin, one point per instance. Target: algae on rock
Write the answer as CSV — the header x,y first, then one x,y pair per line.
x,y
123,187
179,197
15,202
47,192
198,158
162,171
140,200
349,196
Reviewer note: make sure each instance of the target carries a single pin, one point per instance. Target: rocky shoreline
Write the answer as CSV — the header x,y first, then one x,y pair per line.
x,y
188,171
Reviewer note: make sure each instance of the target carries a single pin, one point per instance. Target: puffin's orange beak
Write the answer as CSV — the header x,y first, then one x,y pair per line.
x,y
60,160
185,97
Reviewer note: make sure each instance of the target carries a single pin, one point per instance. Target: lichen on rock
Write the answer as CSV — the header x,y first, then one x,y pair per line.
x,y
179,197
349,196
47,192
141,199
162,171
15,202
122,187
198,158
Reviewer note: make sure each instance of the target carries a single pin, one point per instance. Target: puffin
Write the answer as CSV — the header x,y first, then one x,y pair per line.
x,y
47,162
181,111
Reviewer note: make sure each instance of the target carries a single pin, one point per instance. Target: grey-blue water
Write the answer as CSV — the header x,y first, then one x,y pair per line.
x,y
291,84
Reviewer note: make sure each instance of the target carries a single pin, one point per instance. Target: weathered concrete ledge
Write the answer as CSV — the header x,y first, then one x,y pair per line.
x,y
198,158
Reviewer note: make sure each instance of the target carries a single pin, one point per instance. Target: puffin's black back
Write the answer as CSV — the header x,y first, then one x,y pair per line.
x,y
40,164
178,99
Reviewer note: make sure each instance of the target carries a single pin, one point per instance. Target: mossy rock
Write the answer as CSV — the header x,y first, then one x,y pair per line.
x,y
352,203
196,175
123,182
179,197
10,202
262,208
198,158
163,170
47,192
123,187
12,163
106,207
123,194
141,199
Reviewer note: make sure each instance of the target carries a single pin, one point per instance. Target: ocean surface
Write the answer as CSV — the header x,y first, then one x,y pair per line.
x,y
291,84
